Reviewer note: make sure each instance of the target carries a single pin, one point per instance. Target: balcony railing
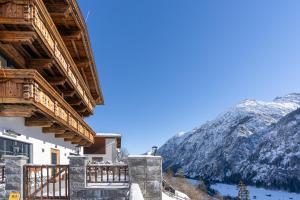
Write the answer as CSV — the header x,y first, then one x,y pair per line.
x,y
27,86
35,14
107,173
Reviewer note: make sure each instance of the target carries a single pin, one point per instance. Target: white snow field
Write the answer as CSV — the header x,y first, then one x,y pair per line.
x,y
260,193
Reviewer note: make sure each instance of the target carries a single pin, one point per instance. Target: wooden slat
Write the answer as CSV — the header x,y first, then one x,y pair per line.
x,y
75,102
35,121
81,110
57,80
16,110
69,93
82,62
74,35
52,129
18,36
65,135
40,63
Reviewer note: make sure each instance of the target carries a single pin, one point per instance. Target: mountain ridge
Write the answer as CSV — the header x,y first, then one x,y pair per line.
x,y
220,149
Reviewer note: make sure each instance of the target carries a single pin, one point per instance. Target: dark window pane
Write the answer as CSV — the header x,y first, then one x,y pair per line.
x,y
13,147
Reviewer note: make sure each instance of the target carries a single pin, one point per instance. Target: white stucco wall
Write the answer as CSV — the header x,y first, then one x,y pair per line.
x,y
37,139
110,151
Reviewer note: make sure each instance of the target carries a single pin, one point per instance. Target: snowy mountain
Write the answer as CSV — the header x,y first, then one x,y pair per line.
x,y
254,141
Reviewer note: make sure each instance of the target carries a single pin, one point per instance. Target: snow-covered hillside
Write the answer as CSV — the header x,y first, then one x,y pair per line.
x,y
255,141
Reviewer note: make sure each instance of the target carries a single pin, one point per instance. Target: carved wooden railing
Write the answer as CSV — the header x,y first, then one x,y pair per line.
x,y
46,182
27,86
35,13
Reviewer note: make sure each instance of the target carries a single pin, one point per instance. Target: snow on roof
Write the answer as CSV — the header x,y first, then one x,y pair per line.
x,y
108,135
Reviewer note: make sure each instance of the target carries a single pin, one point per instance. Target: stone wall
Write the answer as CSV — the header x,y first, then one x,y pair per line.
x,y
14,174
79,189
2,192
147,172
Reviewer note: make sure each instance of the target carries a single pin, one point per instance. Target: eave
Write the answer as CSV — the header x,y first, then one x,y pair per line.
x,y
69,21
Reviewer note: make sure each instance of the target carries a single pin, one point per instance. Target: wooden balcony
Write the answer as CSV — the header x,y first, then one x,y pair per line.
x,y
71,25
30,39
24,92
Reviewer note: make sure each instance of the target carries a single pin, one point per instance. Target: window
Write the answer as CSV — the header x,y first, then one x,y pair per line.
x,y
13,147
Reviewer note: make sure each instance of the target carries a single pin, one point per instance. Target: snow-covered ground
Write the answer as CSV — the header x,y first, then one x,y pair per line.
x,y
260,193
166,197
179,195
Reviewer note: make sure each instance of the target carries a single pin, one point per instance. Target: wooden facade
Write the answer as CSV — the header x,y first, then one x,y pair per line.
x,y
99,145
54,82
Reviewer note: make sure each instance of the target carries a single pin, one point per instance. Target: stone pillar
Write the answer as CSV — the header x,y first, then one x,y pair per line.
x,y
14,174
77,174
146,171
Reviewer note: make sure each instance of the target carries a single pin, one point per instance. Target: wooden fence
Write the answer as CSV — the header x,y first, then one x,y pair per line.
x,y
46,182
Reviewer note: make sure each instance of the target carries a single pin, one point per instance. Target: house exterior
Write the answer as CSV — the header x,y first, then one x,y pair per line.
x,y
48,84
48,80
106,148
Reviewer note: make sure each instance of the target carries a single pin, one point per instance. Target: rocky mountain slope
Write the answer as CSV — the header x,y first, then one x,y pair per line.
x,y
254,141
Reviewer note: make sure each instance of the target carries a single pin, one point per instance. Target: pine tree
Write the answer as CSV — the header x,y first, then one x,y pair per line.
x,y
243,193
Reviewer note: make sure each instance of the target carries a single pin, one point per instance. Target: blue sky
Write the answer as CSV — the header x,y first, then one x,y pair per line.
x,y
166,66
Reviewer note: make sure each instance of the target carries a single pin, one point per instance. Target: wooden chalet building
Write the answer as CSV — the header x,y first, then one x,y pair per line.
x,y
48,80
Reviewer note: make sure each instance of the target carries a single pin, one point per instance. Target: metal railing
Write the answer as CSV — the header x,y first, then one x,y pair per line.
x,y
46,182
107,173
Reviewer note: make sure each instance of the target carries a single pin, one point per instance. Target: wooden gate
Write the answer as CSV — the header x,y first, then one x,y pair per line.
x,y
46,182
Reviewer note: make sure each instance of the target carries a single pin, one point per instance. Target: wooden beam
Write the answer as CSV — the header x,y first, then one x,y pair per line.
x,y
40,63
82,62
75,102
57,80
18,36
59,9
35,121
74,35
71,139
65,135
77,139
53,129
11,53
8,20
16,110
79,142
84,77
81,110
69,93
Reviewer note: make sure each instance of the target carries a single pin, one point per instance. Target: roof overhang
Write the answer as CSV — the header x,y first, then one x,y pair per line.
x,y
70,22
